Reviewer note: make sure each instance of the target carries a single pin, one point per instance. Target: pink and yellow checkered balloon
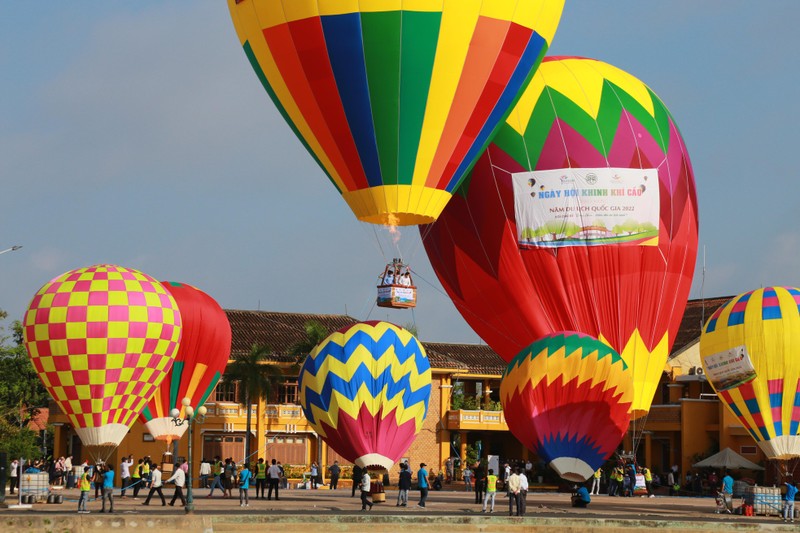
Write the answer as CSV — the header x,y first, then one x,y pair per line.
x,y
102,339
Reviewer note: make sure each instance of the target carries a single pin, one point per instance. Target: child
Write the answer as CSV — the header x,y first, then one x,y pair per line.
x,y
85,485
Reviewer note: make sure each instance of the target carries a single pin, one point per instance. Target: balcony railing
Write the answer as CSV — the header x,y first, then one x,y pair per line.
x,y
282,413
664,413
480,420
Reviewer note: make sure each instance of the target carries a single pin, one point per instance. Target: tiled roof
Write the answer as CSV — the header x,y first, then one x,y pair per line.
x,y
696,312
279,331
39,421
473,358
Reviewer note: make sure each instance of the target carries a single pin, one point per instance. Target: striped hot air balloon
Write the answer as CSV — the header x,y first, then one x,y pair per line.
x,y
750,351
567,398
580,216
365,390
102,339
395,99
200,362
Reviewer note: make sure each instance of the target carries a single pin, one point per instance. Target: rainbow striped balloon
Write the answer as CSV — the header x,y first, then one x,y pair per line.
x,y
395,99
102,339
567,397
750,351
365,390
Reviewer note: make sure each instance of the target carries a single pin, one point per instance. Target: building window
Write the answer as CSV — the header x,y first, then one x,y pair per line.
x,y
147,437
747,450
288,392
225,391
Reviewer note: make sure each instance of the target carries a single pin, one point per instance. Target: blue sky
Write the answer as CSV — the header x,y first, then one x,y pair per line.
x,y
136,133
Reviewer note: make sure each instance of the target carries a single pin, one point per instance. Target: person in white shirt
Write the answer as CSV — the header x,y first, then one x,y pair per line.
x,y
365,491
14,475
155,486
205,472
274,476
179,478
523,492
125,473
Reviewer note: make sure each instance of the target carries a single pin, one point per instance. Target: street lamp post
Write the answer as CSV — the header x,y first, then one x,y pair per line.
x,y
192,416
12,249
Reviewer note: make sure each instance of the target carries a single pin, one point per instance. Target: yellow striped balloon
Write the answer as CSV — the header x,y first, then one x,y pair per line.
x,y
750,350
395,99
365,390
102,339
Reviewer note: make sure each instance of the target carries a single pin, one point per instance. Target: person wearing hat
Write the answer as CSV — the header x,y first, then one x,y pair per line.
x,y
581,497
422,482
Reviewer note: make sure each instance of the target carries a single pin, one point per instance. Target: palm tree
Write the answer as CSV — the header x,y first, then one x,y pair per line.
x,y
315,334
257,378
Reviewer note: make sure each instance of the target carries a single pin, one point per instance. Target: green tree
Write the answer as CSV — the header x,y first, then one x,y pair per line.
x,y
315,333
257,379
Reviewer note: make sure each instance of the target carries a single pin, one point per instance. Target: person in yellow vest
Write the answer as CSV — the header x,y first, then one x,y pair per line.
x,y
648,481
491,491
85,484
146,472
261,479
136,478
218,468
596,481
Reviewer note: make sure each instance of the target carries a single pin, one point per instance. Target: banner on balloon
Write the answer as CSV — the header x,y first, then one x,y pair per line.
x,y
729,369
587,207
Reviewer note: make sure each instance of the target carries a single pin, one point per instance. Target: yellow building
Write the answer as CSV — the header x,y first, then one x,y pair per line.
x,y
685,422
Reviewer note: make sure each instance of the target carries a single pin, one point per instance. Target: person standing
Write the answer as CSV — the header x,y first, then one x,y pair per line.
x,y
512,487
788,501
125,473
205,472
365,488
244,486
179,478
356,479
335,472
479,480
648,481
491,490
14,476
155,486
274,475
468,479
108,489
261,479
523,493
598,474
422,482
448,465
68,469
85,484
403,485
314,474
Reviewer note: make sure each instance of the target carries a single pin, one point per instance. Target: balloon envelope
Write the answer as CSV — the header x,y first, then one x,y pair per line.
x,y
580,216
567,397
102,339
749,350
365,390
200,362
395,100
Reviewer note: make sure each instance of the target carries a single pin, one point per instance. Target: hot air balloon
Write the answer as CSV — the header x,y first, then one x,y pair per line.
x,y
102,338
567,397
580,216
749,350
365,391
395,100
201,359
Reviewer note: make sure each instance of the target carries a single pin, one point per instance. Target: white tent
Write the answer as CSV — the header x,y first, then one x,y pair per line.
x,y
729,459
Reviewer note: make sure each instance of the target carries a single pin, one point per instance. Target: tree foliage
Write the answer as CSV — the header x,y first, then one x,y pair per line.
x,y
315,333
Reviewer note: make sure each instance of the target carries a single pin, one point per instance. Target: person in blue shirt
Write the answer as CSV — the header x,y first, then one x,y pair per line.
x,y
422,481
581,497
727,485
108,489
244,485
788,501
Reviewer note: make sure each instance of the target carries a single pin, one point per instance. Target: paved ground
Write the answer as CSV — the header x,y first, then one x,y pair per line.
x,y
299,510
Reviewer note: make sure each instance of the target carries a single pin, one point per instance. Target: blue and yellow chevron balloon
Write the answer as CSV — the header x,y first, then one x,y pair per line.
x,y
365,390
